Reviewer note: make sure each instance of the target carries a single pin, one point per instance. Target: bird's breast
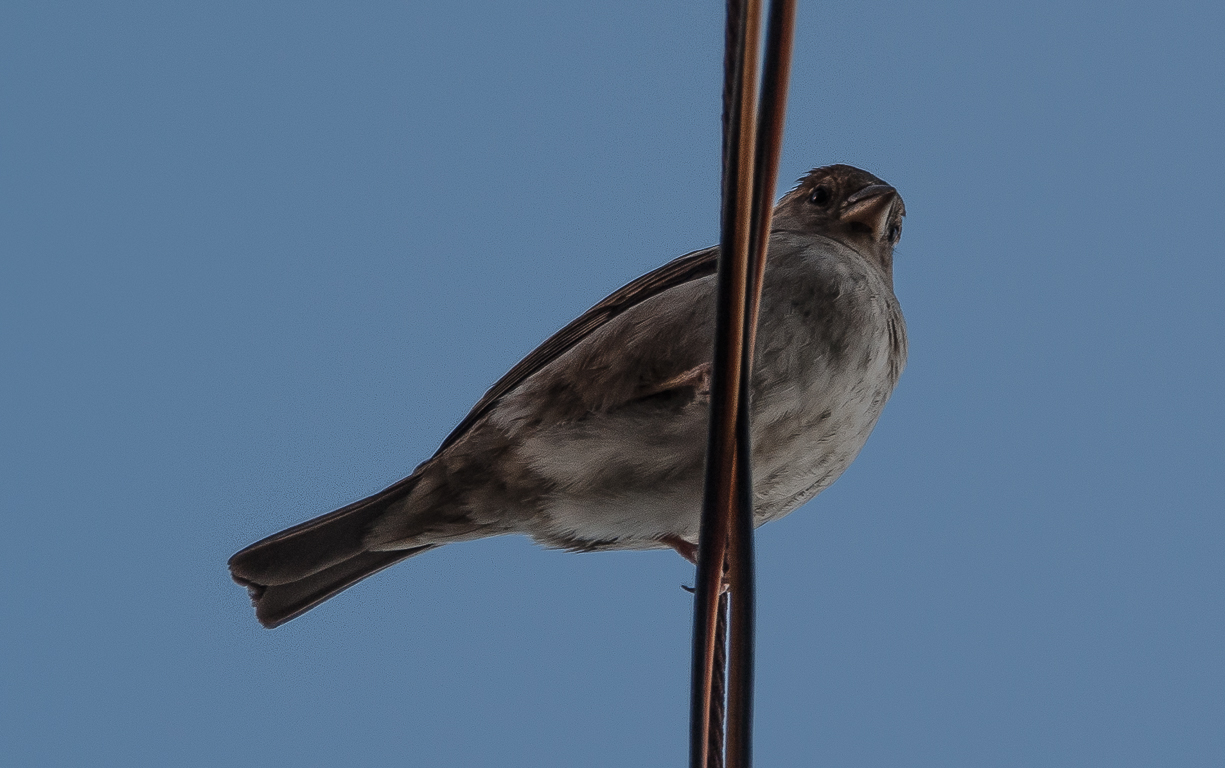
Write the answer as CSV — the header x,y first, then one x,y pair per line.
x,y
831,344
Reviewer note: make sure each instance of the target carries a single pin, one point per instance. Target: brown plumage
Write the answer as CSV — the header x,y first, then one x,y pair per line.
x,y
596,439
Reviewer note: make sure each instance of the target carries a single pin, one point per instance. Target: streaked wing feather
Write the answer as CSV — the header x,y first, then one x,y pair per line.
x,y
691,266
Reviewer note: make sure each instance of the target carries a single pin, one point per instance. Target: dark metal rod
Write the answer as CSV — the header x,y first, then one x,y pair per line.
x,y
771,116
739,104
769,140
751,150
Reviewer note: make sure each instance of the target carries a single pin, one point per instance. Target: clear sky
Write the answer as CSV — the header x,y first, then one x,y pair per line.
x,y
257,259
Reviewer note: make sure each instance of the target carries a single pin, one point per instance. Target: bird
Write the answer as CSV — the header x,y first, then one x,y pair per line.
x,y
597,439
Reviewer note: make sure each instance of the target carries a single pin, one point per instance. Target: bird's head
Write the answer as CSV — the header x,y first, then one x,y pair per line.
x,y
848,205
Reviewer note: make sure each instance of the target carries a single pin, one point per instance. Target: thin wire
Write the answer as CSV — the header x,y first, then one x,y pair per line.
x,y
718,689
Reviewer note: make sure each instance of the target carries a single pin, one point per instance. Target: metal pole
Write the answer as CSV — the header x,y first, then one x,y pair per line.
x,y
731,305
750,167
769,141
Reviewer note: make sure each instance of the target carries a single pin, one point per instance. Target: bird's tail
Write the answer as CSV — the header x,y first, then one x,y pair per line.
x,y
291,572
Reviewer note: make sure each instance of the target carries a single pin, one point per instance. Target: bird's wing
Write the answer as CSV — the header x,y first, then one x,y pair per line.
x,y
689,267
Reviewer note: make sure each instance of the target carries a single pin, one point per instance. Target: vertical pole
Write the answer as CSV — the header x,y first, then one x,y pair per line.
x,y
731,304
769,141
750,169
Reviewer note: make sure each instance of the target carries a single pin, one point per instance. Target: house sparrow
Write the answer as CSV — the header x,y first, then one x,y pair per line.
x,y
597,439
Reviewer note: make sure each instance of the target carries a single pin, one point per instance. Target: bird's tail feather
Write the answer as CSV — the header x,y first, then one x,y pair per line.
x,y
277,604
291,572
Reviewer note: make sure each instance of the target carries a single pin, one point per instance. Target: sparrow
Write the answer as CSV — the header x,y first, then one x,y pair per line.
x,y
597,439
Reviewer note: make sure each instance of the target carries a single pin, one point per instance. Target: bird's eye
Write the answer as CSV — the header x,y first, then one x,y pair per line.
x,y
894,233
821,195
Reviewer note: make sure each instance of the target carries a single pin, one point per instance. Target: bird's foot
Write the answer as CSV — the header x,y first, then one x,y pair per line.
x,y
690,552
685,549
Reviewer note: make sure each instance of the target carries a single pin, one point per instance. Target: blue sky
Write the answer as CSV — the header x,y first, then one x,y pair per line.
x,y
256,260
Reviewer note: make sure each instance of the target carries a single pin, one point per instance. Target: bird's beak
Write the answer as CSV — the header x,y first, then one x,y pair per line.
x,y
870,207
